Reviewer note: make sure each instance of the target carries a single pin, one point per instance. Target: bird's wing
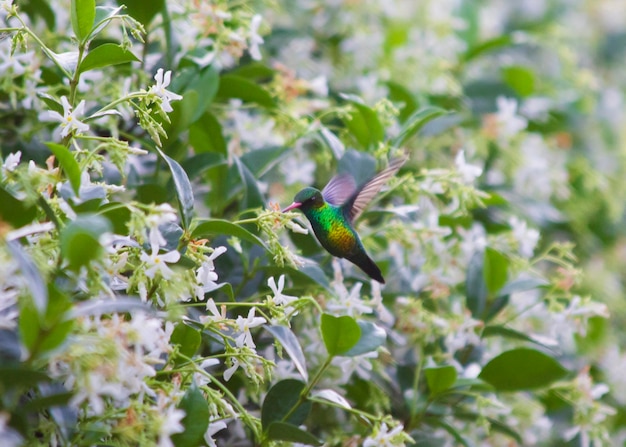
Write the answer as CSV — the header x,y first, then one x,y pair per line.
x,y
361,198
340,188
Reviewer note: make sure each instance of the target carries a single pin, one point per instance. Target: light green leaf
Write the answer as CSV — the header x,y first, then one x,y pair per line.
x,y
415,122
440,378
68,163
80,240
82,15
187,338
105,55
204,228
495,269
340,334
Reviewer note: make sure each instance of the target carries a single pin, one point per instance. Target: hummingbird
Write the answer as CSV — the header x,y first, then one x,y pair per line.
x,y
333,210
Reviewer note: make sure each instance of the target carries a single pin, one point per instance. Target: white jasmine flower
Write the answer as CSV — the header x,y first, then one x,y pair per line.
x,y
280,298
383,437
255,39
361,365
163,214
12,160
527,238
14,64
69,120
158,263
205,275
468,172
162,81
170,422
213,428
509,121
244,325
228,373
216,315
350,303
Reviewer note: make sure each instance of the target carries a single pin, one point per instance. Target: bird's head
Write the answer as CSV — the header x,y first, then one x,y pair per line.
x,y
306,199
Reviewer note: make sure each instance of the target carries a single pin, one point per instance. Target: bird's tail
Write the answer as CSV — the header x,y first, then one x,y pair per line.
x,y
366,264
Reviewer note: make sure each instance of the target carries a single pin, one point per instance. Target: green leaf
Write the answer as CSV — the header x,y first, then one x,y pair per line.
x,y
372,337
205,135
29,326
82,14
187,338
506,332
32,277
18,375
520,79
105,55
291,345
440,378
205,228
118,214
279,402
495,269
475,287
232,86
14,211
522,369
206,83
487,46
415,122
400,94
252,197
68,163
142,10
184,191
196,420
260,161
281,431
80,240
364,123
340,334
54,337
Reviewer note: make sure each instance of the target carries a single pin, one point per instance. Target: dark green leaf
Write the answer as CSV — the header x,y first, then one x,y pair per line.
x,y
196,420
522,369
232,86
506,332
53,400
475,287
205,135
187,338
262,160
30,272
495,269
206,83
372,337
15,211
118,214
255,71
280,401
142,10
520,79
68,163
184,191
290,344
82,14
105,55
281,431
364,123
18,375
204,228
80,240
55,336
340,334
252,197
415,122
440,378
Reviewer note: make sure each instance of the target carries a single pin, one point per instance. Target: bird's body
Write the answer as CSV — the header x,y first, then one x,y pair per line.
x,y
333,210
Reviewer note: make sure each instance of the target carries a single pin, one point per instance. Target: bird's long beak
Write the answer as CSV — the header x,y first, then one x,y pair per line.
x,y
292,206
